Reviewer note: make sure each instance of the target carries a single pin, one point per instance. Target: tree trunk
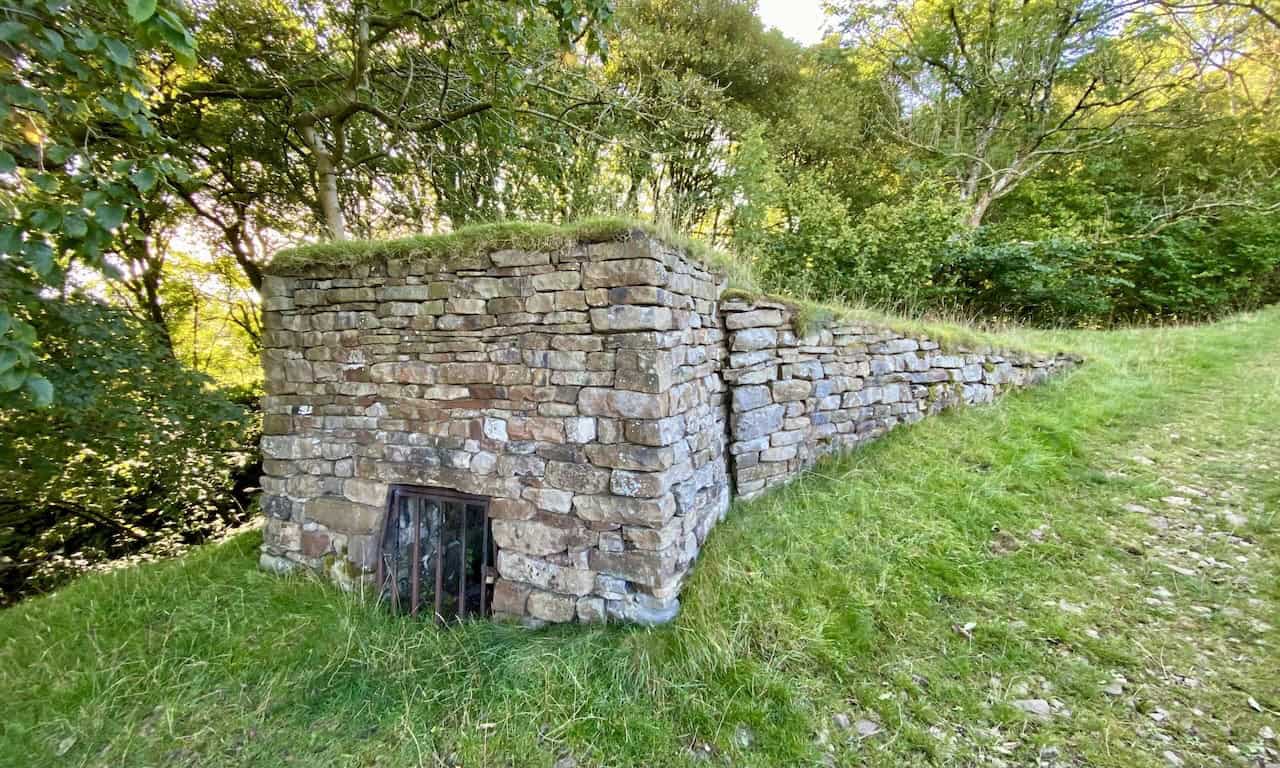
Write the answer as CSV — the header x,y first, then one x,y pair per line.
x,y
327,181
981,204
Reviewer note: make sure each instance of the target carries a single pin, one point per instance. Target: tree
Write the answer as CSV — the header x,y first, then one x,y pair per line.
x,y
78,147
994,90
353,90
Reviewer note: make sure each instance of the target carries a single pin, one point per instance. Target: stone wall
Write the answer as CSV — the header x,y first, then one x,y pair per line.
x,y
578,387
588,390
797,396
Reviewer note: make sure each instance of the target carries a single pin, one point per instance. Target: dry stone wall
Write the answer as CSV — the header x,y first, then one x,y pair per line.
x,y
797,395
579,389
600,394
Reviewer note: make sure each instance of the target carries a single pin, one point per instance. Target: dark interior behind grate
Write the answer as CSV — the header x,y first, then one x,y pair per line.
x,y
436,553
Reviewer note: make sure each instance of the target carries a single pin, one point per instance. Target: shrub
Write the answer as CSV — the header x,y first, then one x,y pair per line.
x,y
136,454
892,254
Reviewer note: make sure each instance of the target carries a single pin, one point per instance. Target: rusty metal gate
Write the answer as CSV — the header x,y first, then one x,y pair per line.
x,y
436,552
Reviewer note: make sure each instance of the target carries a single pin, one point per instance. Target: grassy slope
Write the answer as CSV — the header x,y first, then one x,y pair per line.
x,y
847,592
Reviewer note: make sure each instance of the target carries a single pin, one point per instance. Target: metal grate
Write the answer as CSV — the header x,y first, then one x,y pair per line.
x,y
436,552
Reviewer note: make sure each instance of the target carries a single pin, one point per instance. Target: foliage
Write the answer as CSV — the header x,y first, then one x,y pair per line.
x,y
78,147
135,453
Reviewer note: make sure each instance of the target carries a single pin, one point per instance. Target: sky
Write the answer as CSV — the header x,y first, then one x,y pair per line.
x,y
800,20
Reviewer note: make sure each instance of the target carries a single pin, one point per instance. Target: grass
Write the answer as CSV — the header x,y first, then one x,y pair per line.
x,y
924,584
470,241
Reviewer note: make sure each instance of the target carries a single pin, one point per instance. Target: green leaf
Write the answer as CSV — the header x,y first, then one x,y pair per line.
x,y
11,379
7,164
87,40
144,179
8,359
141,10
73,224
41,390
109,215
12,30
118,52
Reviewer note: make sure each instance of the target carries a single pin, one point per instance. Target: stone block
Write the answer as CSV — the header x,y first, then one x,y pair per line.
x,y
544,574
557,281
580,429
654,432
753,339
369,492
633,457
549,499
754,319
652,568
747,398
292,447
341,514
591,610
624,272
615,509
791,390
512,258
761,422
548,606
511,509
624,404
623,317
510,597
544,534
579,478
648,485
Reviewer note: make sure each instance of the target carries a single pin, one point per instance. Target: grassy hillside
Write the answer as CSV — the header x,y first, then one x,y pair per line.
x,y
1085,573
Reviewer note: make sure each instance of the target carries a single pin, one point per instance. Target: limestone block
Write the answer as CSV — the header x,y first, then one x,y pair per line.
x,y
652,568
290,447
549,499
341,514
548,606
746,398
753,319
512,258
624,272
544,534
369,492
753,339
761,422
511,509
591,610
580,429
624,317
654,432
510,597
543,574
615,509
614,403
791,390
649,485
579,478
632,457
557,281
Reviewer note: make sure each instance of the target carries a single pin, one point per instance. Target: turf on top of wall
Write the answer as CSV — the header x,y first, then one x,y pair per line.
x,y
467,242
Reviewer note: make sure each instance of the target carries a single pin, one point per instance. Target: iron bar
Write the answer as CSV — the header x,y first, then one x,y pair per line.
x,y
455,516
440,510
484,560
462,565
415,569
